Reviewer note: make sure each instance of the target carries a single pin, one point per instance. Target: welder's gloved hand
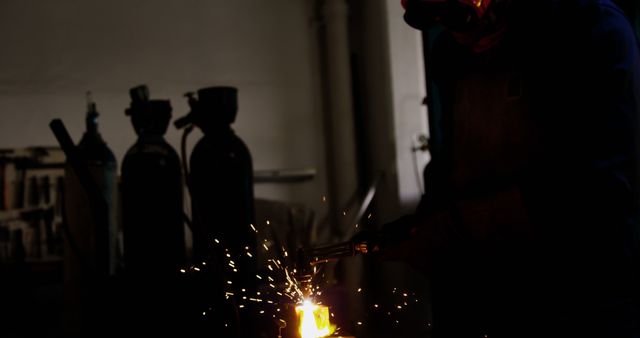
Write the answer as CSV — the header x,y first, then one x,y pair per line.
x,y
416,239
366,241
393,233
397,237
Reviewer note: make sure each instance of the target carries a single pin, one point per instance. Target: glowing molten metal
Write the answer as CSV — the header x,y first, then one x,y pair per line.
x,y
314,320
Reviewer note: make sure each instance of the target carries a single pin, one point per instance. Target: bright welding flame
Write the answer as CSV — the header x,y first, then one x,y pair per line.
x,y
314,320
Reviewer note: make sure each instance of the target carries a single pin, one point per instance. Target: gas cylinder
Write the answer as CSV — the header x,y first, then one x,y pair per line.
x,y
151,188
152,193
100,245
220,182
90,250
221,175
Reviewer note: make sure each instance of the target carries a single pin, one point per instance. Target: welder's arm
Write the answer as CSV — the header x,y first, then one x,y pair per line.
x,y
465,226
409,236
415,238
412,238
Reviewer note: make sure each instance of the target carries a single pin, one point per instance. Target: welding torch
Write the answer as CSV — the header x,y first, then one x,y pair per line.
x,y
334,252
308,259
363,242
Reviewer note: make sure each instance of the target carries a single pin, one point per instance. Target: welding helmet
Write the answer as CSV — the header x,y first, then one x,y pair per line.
x,y
455,15
477,24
